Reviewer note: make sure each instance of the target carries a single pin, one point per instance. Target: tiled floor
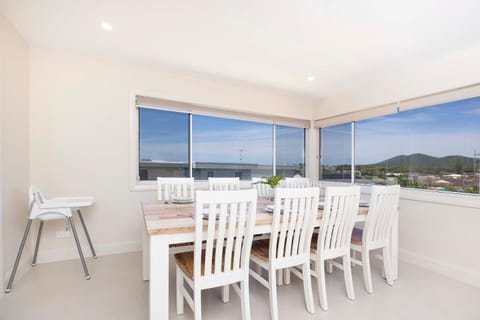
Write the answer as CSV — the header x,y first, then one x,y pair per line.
x,y
116,291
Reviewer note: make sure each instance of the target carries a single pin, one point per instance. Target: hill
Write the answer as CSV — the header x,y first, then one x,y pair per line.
x,y
422,161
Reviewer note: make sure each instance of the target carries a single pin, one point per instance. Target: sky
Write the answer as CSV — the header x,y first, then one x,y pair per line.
x,y
446,129
164,136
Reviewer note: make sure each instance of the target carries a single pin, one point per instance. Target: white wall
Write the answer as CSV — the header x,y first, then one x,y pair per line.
x,y
441,237
80,135
14,143
452,71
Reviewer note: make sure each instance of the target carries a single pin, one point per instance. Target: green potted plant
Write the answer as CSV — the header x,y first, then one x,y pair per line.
x,y
272,181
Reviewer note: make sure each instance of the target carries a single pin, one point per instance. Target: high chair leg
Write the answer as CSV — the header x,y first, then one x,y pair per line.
x,y
82,258
40,228
87,234
19,255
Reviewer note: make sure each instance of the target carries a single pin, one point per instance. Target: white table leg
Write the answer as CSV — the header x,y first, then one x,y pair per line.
x,y
146,256
158,277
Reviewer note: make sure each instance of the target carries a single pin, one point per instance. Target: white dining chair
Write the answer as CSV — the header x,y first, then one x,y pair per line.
x,y
263,190
178,187
53,209
223,184
333,239
294,213
297,183
229,218
376,232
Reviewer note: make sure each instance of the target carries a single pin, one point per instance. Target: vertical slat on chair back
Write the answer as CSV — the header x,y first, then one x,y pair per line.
x,y
229,230
223,184
383,207
180,187
292,227
338,219
297,183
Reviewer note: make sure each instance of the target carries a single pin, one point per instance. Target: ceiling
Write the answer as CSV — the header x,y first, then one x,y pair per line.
x,y
274,43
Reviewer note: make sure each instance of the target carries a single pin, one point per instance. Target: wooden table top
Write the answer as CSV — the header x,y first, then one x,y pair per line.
x,y
164,218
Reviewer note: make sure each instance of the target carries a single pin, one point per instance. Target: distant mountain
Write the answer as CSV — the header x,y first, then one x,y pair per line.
x,y
419,160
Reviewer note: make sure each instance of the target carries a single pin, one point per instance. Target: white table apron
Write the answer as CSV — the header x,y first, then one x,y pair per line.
x,y
156,262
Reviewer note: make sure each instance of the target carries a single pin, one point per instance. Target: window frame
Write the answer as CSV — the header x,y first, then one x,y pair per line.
x,y
192,108
432,196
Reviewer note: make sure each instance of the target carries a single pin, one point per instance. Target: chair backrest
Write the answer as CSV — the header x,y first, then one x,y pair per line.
x,y
223,184
179,187
263,190
36,199
339,216
230,218
294,213
34,193
297,183
383,207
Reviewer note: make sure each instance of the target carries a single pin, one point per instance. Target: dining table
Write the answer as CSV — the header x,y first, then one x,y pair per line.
x,y
168,224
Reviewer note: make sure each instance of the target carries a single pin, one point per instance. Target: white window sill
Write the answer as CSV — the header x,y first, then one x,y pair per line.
x,y
141,186
441,197
431,196
467,200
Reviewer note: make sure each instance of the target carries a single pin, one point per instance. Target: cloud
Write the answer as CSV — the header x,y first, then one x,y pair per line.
x,y
475,112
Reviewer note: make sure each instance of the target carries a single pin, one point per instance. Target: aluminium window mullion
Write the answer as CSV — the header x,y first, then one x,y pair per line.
x,y
190,148
353,153
274,148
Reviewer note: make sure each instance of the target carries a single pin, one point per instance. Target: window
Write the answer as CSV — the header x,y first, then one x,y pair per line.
x,y
336,153
224,147
219,146
435,147
163,144
290,151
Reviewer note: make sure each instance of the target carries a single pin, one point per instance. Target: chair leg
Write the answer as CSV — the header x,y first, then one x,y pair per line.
x,y
226,293
19,255
280,277
82,258
40,227
387,265
367,273
347,273
307,287
245,296
197,302
87,234
322,290
273,294
287,276
179,286
329,266
259,269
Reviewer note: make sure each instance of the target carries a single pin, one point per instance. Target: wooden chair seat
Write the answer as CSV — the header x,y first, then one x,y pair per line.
x,y
260,249
185,262
176,245
357,236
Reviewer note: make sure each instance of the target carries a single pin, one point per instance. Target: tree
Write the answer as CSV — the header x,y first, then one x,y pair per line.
x,y
458,168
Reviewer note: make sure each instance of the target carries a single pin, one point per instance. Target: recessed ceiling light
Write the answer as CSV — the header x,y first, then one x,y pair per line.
x,y
106,26
311,78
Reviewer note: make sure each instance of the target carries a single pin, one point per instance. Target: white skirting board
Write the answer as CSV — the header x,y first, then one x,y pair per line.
x,y
468,276
101,250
